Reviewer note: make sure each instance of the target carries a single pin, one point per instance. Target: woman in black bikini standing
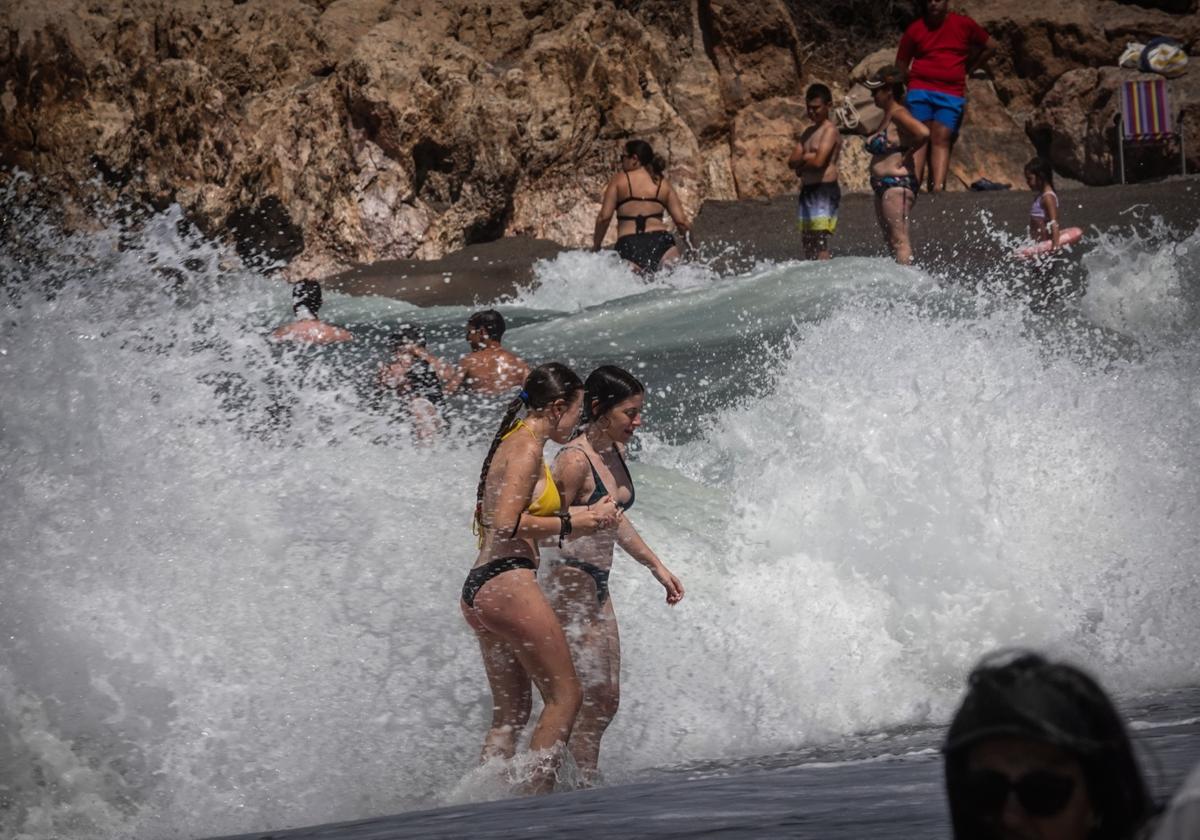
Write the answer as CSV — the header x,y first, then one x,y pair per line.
x,y
639,194
591,470
893,172
517,505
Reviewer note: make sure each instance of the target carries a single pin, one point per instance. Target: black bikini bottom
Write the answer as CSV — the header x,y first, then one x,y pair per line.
x,y
600,576
645,250
883,183
482,574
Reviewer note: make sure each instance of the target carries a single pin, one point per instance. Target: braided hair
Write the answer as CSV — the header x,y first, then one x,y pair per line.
x,y
544,385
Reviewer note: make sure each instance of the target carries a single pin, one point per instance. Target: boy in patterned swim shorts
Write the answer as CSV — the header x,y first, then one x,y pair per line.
x,y
815,160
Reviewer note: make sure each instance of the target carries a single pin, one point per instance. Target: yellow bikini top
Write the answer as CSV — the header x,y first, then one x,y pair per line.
x,y
549,503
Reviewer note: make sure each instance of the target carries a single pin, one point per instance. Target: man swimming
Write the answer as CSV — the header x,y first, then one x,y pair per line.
x,y
489,368
308,328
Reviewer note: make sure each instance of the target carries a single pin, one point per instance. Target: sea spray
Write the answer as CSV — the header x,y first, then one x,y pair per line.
x,y
231,579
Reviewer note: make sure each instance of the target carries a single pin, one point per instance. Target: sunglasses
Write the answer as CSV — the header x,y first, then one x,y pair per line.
x,y
1041,793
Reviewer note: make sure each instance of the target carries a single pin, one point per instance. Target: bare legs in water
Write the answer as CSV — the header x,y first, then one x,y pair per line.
x,y
523,645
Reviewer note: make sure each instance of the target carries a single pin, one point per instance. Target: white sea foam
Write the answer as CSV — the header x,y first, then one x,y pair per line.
x,y
231,580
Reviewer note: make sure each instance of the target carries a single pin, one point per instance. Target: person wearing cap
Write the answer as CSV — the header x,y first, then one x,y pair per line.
x,y
938,51
892,148
308,328
1037,749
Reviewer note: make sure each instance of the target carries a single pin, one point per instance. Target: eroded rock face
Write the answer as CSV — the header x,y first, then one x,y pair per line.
x,y
330,132
1079,117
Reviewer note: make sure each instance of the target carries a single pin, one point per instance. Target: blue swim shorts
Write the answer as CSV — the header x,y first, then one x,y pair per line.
x,y
928,105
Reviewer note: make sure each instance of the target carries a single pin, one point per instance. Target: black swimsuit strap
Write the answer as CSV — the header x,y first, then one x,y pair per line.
x,y
628,475
632,197
601,489
599,576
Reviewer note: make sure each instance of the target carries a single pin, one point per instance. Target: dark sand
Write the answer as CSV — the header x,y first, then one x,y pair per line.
x,y
951,233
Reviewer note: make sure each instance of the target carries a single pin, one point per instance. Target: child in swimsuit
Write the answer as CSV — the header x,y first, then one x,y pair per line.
x,y
518,504
1043,215
815,160
590,470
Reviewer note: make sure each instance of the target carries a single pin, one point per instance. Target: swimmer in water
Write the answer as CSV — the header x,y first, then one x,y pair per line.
x,y
308,328
489,368
639,195
416,386
517,506
589,470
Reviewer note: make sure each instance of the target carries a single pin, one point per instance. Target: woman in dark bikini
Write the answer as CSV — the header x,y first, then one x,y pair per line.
x,y
590,470
518,504
639,194
893,173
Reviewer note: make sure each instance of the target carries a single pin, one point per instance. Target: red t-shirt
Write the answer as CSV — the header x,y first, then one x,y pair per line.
x,y
939,55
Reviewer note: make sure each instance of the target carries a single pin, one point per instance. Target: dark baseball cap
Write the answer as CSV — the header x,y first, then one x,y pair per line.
x,y
889,74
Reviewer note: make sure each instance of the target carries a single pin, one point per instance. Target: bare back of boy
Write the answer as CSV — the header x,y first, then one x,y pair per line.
x,y
493,370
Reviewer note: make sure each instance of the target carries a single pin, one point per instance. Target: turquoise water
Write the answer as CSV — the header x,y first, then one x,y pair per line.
x,y
230,577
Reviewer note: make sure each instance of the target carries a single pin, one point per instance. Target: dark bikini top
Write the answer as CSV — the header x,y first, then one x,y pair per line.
x,y
878,143
640,221
601,491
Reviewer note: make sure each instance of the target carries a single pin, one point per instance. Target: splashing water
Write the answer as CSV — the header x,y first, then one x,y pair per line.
x,y
230,577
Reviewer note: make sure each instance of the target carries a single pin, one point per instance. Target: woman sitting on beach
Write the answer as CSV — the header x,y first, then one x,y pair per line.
x,y
592,469
1043,215
1037,750
639,194
517,505
893,173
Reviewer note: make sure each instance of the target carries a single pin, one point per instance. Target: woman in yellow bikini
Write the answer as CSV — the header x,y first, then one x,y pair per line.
x,y
518,505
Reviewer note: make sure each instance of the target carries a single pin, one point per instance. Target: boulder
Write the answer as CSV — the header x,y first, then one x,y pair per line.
x,y
345,131
991,144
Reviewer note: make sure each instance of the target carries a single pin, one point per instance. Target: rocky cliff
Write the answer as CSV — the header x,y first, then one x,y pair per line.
x,y
331,132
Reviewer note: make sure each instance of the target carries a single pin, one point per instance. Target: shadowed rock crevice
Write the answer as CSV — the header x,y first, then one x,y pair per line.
x,y
265,231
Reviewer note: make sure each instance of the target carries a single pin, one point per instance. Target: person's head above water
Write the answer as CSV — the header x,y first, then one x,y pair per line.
x,y
306,294
485,326
1041,169
607,387
612,402
1038,749
640,153
406,335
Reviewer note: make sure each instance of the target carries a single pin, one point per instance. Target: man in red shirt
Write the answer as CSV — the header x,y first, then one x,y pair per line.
x,y
939,50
